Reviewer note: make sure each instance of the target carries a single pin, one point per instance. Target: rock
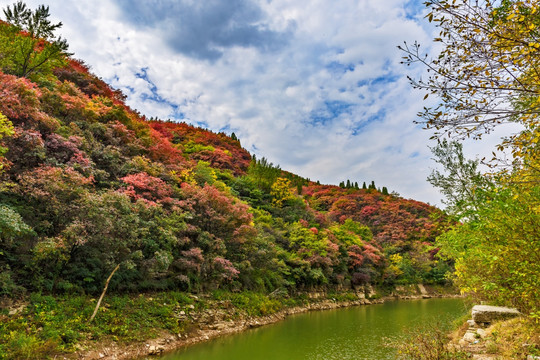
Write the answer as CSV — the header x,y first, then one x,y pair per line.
x,y
155,350
470,336
101,355
488,314
471,323
532,357
482,333
15,311
422,289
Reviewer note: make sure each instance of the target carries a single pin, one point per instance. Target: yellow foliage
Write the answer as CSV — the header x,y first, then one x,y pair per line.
x,y
281,191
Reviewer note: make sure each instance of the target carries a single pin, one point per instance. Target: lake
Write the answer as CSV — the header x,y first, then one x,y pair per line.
x,y
343,334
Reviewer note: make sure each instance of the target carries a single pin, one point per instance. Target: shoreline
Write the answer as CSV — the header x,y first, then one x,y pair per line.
x,y
205,331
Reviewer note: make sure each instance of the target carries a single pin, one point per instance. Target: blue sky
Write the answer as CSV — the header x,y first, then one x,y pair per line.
x,y
315,86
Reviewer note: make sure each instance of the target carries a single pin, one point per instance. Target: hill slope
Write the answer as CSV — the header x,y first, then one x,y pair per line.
x,y
88,183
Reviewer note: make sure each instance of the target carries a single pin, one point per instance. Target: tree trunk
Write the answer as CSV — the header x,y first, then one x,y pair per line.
x,y
103,293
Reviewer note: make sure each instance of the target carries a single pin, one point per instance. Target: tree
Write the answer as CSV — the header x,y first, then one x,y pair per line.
x,y
6,129
461,184
488,71
30,45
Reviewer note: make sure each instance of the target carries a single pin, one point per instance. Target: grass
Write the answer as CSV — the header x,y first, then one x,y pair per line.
x,y
515,338
52,325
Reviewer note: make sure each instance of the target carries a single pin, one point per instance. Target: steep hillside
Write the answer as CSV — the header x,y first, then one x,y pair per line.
x,y
88,184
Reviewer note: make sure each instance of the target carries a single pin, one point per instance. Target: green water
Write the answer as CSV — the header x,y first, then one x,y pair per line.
x,y
342,334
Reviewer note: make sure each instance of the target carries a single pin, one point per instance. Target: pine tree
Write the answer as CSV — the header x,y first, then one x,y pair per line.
x,y
348,184
364,185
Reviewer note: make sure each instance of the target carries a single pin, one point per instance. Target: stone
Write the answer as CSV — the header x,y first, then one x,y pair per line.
x,y
482,333
488,314
155,350
471,323
470,337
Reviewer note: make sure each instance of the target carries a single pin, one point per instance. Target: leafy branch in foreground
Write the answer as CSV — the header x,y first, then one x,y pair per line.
x,y
488,71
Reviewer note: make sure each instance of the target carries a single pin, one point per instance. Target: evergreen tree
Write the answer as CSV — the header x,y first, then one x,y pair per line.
x,y
356,185
348,184
364,185
384,190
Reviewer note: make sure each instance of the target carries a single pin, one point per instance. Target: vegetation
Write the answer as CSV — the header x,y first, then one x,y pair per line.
x,y
487,74
496,245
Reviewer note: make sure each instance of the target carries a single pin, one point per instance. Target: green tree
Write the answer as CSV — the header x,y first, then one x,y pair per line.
x,y
461,183
29,45
488,73
6,129
264,173
497,257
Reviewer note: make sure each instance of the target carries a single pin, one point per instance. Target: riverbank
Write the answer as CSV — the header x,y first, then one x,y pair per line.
x,y
138,326
223,318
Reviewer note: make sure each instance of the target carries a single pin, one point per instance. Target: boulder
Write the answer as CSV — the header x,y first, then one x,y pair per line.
x,y
488,314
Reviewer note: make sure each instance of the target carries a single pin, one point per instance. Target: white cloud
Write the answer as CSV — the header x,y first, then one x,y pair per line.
x,y
339,62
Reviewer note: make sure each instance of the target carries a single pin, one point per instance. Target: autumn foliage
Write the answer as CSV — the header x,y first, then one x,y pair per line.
x,y
88,183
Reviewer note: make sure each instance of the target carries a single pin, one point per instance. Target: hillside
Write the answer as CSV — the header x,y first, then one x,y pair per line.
x,y
88,184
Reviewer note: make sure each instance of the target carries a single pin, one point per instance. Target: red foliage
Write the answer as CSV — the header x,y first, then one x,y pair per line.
x,y
77,72
19,99
150,189
356,259
226,268
163,150
227,153
217,213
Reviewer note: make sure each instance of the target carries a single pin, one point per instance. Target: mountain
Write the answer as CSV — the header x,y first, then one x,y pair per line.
x,y
88,183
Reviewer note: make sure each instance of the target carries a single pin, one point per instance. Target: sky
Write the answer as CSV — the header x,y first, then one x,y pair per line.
x,y
315,86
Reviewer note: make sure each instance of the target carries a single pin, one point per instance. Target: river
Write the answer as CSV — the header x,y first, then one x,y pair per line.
x,y
358,333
